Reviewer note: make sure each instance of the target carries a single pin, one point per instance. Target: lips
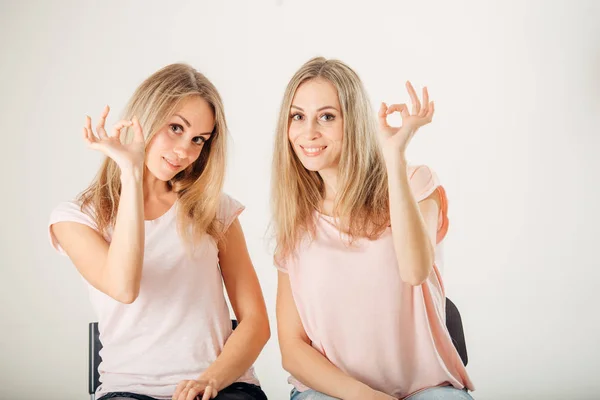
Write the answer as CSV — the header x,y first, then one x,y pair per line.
x,y
172,164
313,151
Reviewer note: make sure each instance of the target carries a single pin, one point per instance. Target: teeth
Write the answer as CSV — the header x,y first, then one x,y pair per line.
x,y
313,149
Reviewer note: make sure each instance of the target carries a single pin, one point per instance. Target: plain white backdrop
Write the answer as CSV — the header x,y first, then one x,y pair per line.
x,y
514,140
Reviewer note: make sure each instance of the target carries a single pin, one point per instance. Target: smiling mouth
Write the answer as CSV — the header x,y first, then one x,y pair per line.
x,y
313,151
172,164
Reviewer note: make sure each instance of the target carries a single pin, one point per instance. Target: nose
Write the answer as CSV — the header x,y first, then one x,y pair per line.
x,y
182,150
311,130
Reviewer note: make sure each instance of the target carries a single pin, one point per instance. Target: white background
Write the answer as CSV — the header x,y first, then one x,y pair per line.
x,y
514,140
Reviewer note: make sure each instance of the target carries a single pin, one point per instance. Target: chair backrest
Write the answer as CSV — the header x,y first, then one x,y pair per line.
x,y
455,328
94,358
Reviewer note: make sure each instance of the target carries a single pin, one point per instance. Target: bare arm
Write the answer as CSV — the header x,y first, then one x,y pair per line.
x,y
414,227
304,362
252,333
113,269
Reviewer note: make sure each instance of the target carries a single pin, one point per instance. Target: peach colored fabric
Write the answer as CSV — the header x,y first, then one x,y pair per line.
x,y
361,316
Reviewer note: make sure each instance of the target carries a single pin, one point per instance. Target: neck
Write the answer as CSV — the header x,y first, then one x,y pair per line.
x,y
329,177
154,187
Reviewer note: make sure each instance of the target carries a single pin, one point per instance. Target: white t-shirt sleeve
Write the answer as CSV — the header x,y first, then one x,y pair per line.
x,y
68,211
229,209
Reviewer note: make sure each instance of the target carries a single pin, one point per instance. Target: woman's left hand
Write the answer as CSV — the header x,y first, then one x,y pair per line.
x,y
394,140
195,389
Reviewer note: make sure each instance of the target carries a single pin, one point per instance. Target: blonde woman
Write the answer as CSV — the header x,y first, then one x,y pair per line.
x,y
360,301
155,238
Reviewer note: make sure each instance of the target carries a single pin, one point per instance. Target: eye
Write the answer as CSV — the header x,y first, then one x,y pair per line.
x,y
296,117
327,117
176,128
199,140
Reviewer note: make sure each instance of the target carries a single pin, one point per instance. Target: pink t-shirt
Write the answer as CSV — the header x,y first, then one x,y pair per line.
x,y
360,315
180,321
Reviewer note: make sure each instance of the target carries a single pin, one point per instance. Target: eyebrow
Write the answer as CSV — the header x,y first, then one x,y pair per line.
x,y
190,125
320,109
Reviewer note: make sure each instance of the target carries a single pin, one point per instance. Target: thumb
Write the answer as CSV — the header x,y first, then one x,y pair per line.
x,y
382,115
137,129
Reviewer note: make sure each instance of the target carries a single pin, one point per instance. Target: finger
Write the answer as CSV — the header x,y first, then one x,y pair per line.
x,y
100,127
430,112
382,115
401,108
88,127
425,108
413,98
116,131
208,393
194,392
137,129
87,136
179,389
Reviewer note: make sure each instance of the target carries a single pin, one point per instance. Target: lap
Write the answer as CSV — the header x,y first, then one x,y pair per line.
x,y
310,395
241,391
441,393
235,391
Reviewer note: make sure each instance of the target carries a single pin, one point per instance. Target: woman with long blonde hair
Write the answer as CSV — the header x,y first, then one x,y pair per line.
x,y
155,238
360,300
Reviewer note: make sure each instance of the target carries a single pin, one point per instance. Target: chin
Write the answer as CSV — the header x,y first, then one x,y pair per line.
x,y
314,166
161,175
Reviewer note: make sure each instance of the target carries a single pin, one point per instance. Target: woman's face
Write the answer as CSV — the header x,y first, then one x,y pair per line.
x,y
316,126
179,142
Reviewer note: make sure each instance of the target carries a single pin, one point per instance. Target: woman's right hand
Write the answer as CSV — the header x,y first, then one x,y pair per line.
x,y
129,157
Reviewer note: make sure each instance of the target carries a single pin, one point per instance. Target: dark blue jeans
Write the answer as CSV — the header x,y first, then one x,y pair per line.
x,y
236,391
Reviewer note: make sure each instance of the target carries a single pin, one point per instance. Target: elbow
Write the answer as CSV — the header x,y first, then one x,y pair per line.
x,y
414,281
287,361
126,296
417,277
265,331
291,353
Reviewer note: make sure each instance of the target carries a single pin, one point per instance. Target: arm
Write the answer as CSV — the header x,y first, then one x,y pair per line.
x,y
114,269
252,333
414,226
304,362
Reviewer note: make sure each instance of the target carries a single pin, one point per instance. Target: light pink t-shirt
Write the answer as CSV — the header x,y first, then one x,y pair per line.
x,y
180,321
360,315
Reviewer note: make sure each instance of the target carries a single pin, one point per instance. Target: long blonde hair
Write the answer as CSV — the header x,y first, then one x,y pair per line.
x,y
361,206
198,187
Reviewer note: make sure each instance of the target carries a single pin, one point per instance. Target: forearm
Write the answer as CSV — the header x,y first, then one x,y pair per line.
x,y
123,267
240,352
315,371
413,247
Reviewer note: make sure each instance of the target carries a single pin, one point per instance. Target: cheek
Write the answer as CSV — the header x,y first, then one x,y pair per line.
x,y
195,153
335,134
338,132
292,133
159,142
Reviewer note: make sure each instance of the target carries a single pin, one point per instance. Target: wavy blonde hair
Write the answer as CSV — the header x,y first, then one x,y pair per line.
x,y
361,205
199,186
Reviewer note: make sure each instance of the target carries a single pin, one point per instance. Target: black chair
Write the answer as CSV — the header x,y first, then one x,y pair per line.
x,y
455,328
94,357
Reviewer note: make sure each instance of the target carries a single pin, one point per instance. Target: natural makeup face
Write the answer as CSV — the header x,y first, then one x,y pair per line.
x,y
179,142
316,127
